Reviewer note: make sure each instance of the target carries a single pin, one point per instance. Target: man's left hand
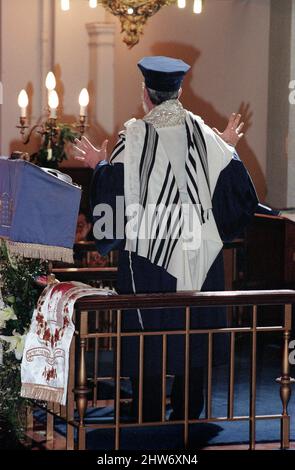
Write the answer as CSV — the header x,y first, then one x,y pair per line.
x,y
232,134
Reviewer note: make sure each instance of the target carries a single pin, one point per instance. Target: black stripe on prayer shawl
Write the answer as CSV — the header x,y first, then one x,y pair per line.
x,y
119,147
193,192
201,148
170,248
192,187
164,187
115,154
200,134
147,128
201,216
202,160
159,222
147,162
158,243
152,146
173,246
173,234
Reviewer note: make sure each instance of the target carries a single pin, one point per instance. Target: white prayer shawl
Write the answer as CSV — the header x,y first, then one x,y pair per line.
x,y
153,177
45,362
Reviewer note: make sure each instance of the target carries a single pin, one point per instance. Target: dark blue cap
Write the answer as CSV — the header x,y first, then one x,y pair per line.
x,y
163,73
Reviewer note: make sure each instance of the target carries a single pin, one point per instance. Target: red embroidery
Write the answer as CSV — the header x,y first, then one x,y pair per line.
x,y
49,374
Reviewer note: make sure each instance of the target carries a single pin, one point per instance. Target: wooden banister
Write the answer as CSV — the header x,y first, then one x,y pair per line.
x,y
183,299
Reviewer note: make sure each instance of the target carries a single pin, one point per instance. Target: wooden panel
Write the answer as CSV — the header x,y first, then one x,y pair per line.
x,y
270,253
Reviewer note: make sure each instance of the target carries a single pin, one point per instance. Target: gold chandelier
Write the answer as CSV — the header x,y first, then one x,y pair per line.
x,y
133,14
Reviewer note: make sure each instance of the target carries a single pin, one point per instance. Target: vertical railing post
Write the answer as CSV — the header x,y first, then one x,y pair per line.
x,y
140,384
164,376
231,390
71,400
29,418
118,381
252,413
49,422
209,376
186,377
285,380
81,390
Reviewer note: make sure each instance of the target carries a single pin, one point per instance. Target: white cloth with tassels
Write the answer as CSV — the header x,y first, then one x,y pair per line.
x,y
45,362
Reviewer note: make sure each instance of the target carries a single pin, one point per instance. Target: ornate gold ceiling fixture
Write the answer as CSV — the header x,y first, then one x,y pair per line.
x,y
133,14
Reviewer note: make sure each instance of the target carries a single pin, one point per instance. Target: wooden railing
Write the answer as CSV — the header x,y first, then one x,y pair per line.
x,y
87,308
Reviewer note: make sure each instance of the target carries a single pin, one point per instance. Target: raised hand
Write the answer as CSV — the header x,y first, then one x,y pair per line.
x,y
232,133
88,154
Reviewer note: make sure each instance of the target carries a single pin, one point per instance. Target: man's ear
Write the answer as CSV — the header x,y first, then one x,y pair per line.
x,y
147,99
146,95
179,92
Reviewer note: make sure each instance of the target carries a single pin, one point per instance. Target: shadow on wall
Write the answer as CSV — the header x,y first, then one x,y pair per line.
x,y
208,112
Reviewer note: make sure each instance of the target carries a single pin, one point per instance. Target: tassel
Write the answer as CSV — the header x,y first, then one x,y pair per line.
x,y
46,252
42,393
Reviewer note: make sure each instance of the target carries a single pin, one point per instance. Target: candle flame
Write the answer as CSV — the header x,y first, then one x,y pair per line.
x,y
23,99
53,100
84,97
50,81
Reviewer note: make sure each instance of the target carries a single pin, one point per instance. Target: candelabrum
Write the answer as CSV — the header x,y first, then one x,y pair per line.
x,y
54,135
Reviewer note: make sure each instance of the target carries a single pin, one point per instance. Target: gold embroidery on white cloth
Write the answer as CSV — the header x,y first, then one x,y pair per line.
x,y
170,113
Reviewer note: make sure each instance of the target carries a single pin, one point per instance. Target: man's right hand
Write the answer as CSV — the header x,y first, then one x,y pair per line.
x,y
88,154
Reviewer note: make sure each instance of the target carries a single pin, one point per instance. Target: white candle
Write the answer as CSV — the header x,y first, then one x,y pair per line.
x,y
83,101
49,154
181,3
50,81
198,6
53,102
23,102
65,5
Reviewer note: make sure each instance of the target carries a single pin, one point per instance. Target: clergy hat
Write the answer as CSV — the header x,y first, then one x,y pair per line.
x,y
163,73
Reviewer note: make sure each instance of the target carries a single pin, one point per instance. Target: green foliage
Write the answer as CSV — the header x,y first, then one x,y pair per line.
x,y
19,291
62,135
19,288
12,405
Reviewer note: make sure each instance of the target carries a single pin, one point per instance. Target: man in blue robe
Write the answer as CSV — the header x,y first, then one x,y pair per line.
x,y
171,156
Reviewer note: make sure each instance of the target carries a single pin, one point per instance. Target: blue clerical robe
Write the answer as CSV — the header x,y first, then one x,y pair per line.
x,y
234,203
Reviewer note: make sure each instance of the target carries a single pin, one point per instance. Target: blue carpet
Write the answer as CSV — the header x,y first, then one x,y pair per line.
x,y
202,434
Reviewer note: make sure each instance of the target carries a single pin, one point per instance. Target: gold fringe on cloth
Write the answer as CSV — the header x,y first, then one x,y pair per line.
x,y
41,392
46,252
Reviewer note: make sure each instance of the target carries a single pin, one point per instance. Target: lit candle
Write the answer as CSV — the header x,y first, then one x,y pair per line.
x,y
83,101
93,3
50,81
181,3
53,103
23,102
49,154
198,6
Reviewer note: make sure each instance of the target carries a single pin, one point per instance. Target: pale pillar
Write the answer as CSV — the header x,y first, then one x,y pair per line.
x,y
101,73
47,46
